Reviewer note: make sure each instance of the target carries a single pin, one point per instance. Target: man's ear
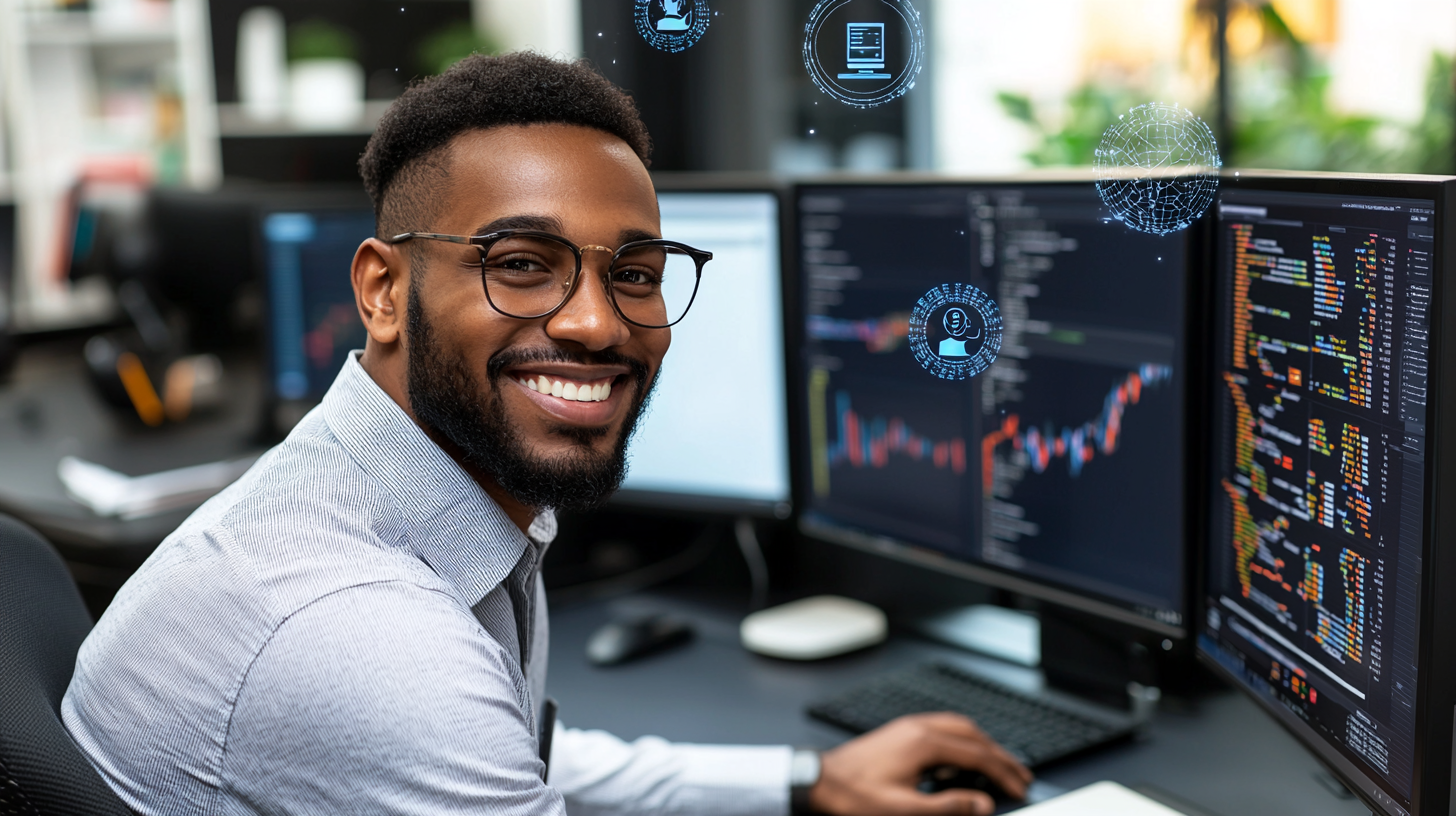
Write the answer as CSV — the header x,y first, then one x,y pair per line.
x,y
381,285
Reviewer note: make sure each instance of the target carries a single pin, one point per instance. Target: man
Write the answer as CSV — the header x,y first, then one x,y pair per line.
x,y
357,626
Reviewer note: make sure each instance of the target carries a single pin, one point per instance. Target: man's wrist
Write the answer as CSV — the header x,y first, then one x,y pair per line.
x,y
804,771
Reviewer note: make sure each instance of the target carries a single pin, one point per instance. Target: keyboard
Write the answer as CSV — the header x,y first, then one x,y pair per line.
x,y
1035,730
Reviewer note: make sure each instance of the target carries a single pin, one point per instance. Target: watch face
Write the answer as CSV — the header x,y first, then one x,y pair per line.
x,y
804,769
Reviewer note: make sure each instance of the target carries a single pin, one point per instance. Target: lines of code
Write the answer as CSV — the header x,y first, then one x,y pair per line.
x,y
1320,417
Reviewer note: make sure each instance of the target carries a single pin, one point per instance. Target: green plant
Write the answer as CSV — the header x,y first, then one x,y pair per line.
x,y
1281,117
451,44
1090,111
320,39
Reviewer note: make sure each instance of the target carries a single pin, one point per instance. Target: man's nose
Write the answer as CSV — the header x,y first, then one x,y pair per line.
x,y
588,317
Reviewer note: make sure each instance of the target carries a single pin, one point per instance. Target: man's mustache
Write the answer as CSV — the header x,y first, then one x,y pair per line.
x,y
508,357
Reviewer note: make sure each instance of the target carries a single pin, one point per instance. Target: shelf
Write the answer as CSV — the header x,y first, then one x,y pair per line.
x,y
232,122
70,29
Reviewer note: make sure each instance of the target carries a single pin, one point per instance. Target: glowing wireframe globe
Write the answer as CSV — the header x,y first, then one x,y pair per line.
x,y
1157,168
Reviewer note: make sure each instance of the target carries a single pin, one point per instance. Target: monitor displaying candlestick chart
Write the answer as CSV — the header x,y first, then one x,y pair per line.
x,y
1058,471
1318,487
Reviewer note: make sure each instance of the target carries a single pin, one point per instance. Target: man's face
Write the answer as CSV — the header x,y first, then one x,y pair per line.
x,y
469,364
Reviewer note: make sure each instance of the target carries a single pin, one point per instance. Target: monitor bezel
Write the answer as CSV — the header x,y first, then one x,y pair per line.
x,y
717,504
1436,671
989,575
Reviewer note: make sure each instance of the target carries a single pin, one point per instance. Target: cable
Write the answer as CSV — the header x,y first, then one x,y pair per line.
x,y
753,556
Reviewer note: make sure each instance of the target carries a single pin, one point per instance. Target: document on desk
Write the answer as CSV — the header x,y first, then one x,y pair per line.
x,y
109,493
1100,799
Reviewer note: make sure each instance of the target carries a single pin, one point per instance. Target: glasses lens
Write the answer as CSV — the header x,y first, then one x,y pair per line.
x,y
654,284
528,275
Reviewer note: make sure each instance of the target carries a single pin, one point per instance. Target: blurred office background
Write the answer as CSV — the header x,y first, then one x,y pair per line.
x,y
135,136
105,98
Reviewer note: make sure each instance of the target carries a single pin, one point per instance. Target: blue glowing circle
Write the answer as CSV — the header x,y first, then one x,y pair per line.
x,y
1157,168
864,52
671,25
971,340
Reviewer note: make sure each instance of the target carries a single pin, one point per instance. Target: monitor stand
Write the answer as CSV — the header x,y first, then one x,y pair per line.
x,y
990,630
1087,657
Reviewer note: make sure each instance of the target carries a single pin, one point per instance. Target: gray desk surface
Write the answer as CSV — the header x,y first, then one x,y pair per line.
x,y
1218,753
49,410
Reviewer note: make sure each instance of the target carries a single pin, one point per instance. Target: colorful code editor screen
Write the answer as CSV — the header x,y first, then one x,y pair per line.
x,y
1320,425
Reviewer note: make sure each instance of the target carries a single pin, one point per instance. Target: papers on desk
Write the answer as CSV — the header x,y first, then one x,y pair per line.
x,y
1099,799
109,493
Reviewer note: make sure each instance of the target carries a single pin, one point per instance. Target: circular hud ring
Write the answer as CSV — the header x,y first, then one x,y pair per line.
x,y
671,25
955,331
1157,168
864,52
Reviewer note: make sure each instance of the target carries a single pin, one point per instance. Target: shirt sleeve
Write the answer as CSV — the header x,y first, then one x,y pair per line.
x,y
383,699
601,775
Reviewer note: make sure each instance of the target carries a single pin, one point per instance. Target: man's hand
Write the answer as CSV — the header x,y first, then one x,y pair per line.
x,y
877,774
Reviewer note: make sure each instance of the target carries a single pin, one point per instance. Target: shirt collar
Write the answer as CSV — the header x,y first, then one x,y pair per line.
x,y
453,526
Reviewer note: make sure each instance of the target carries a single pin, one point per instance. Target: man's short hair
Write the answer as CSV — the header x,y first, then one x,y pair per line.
x,y
403,159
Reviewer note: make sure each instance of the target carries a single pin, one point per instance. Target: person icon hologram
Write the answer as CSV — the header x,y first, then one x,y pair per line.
x,y
676,16
956,324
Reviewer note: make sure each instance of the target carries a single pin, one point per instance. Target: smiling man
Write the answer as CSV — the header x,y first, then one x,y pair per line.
x,y
358,625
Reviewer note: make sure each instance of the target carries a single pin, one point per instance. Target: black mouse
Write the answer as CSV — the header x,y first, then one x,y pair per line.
x,y
948,776
630,638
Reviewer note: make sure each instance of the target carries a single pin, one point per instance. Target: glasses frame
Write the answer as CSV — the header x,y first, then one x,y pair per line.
x,y
485,242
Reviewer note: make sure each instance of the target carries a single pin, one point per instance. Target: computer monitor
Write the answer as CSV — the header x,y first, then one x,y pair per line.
x,y
715,436
1058,472
1327,576
308,245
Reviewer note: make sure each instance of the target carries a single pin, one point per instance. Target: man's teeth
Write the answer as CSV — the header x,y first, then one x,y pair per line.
x,y
569,390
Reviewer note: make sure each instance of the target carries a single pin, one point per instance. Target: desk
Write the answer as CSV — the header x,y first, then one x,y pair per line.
x,y
1219,753
50,410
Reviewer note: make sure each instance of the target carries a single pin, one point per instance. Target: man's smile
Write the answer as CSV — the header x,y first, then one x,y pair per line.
x,y
577,394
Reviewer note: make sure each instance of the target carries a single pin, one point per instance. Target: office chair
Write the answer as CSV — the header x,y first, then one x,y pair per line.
x,y
42,624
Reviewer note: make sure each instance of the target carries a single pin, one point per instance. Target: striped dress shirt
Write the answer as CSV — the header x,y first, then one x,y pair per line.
x,y
338,633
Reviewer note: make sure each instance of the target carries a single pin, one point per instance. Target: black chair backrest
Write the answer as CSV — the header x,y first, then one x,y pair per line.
x,y
42,624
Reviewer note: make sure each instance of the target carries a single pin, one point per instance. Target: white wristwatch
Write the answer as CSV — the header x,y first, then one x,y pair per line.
x,y
803,776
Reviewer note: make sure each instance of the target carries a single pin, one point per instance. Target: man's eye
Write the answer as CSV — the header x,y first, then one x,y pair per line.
x,y
636,277
518,265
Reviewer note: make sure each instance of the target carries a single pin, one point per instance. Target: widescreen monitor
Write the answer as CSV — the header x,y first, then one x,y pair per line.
x,y
715,436
1326,553
1058,471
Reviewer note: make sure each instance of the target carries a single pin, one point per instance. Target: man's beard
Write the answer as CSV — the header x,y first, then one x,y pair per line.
x,y
444,394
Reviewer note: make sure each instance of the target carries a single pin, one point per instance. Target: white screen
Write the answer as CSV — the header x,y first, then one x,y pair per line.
x,y
716,425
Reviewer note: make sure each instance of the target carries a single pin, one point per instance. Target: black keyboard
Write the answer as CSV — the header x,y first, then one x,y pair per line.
x,y
1034,730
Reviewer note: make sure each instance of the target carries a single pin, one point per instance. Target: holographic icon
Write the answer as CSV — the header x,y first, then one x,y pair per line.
x,y
865,44
675,17
671,25
967,326
958,330
879,58
1157,168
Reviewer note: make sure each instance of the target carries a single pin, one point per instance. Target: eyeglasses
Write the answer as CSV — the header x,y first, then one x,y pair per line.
x,y
529,274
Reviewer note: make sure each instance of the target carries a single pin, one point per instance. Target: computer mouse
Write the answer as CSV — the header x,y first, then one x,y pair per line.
x,y
948,776
630,638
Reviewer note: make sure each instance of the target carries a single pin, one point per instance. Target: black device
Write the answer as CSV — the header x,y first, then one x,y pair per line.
x,y
1058,471
626,639
1036,729
1327,579
307,244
